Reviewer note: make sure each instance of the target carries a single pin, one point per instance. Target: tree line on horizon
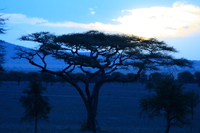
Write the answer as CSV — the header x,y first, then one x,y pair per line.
x,y
184,77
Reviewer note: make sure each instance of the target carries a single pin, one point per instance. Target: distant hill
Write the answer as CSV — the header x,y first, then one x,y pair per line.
x,y
23,65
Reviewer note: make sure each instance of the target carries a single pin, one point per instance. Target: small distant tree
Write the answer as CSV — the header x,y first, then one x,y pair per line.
x,y
197,77
31,76
130,75
120,76
2,24
47,78
193,100
155,77
169,101
2,48
17,76
143,77
185,77
36,106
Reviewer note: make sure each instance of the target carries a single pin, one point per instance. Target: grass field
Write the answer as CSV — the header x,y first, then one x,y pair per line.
x,y
118,110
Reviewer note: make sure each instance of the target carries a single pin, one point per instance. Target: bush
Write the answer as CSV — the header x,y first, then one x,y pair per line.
x,y
36,106
169,100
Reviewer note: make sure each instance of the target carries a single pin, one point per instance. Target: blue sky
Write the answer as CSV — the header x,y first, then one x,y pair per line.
x,y
175,22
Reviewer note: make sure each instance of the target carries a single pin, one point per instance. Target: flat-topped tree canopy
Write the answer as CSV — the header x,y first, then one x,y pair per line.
x,y
90,50
96,52
95,49
151,54
95,40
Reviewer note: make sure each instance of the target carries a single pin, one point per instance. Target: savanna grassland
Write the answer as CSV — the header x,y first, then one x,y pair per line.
x,y
118,110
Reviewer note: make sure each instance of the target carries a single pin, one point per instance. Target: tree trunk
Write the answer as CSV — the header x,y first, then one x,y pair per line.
x,y
35,111
92,106
36,120
91,124
168,125
192,112
90,100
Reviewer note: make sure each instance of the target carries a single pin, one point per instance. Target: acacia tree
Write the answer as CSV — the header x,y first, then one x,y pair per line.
x,y
169,101
97,55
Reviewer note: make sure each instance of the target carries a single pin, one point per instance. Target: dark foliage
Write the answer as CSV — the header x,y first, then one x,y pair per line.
x,y
169,101
186,77
197,78
2,24
193,100
2,48
36,106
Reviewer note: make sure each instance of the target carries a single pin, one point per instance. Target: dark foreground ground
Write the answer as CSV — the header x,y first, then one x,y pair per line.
x,y
118,110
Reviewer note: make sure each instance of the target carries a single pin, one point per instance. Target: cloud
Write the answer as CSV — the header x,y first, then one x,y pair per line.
x,y
92,11
23,19
179,20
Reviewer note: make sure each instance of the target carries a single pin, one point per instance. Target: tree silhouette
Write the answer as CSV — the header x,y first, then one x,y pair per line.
x,y
169,101
2,24
36,106
2,48
97,55
197,78
185,77
194,100
155,77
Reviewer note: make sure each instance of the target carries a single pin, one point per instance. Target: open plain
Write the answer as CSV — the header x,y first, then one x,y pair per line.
x,y
118,110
